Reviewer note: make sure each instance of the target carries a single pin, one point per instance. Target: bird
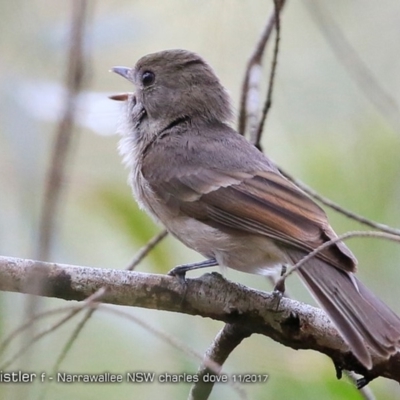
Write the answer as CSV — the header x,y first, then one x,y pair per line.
x,y
221,196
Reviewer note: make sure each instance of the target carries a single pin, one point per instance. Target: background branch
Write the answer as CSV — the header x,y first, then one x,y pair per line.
x,y
255,135
56,171
249,102
74,82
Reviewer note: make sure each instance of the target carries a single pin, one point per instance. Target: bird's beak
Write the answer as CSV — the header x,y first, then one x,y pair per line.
x,y
123,71
120,96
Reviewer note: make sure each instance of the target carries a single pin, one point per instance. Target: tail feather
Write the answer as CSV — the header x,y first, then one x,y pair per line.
x,y
360,317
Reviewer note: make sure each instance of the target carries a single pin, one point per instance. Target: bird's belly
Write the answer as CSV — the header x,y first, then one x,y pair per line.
x,y
238,250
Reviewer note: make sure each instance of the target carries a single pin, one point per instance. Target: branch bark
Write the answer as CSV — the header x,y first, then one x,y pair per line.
x,y
294,324
230,336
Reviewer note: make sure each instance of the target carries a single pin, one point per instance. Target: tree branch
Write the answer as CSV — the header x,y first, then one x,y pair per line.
x,y
230,336
295,324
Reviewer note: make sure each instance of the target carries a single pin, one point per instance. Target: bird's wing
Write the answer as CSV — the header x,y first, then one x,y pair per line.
x,y
260,202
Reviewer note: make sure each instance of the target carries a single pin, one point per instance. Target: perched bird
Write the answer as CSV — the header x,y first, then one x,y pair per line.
x,y
222,197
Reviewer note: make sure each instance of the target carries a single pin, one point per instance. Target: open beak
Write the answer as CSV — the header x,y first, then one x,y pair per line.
x,y
123,71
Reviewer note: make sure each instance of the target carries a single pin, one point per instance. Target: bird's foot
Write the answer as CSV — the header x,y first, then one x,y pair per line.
x,y
180,270
279,289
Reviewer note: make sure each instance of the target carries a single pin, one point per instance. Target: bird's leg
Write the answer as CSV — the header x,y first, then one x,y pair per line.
x,y
180,270
280,288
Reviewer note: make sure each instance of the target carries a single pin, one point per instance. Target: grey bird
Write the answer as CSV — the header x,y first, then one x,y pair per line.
x,y
222,197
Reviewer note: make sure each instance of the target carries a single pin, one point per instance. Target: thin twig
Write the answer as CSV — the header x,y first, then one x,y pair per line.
x,y
37,337
72,338
13,335
95,297
348,235
354,65
248,109
65,350
145,250
255,135
336,207
228,338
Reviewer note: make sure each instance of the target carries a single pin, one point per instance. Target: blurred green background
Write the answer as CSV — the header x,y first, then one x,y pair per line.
x,y
322,129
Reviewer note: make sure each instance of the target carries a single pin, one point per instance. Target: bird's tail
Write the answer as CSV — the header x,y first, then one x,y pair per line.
x,y
360,317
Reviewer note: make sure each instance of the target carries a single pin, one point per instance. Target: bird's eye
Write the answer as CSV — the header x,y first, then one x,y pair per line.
x,y
148,78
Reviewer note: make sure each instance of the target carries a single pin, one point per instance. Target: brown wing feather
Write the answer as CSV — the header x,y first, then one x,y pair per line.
x,y
245,192
265,204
